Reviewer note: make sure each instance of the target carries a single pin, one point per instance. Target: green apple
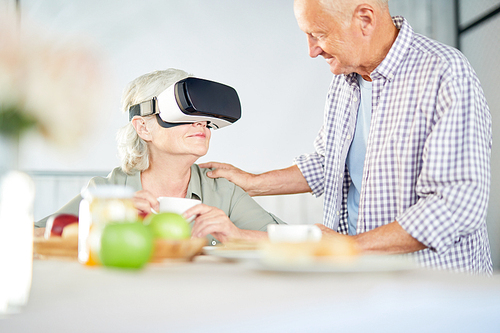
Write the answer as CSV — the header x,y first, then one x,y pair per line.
x,y
127,245
170,226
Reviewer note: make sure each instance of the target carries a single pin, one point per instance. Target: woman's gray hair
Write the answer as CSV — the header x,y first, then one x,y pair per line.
x,y
132,150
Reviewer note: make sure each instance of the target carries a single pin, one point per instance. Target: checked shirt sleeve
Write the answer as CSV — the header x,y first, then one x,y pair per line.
x,y
453,186
312,165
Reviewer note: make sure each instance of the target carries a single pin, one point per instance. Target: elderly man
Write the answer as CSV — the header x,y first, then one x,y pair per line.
x,y
403,154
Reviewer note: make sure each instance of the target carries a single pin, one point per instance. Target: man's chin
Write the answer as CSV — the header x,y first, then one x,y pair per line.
x,y
335,70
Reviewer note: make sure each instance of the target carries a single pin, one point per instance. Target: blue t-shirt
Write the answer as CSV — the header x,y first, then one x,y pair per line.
x,y
357,151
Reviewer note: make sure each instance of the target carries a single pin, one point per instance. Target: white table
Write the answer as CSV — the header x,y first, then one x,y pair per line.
x,y
211,295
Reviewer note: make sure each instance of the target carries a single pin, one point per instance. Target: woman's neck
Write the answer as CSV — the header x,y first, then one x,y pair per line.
x,y
167,177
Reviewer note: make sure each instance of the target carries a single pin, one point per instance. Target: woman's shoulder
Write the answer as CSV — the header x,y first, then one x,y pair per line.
x,y
115,177
218,184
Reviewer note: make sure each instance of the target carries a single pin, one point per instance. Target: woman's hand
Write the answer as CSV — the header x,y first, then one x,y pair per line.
x,y
144,201
212,220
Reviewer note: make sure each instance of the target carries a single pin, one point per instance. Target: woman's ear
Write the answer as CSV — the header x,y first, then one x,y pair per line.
x,y
141,128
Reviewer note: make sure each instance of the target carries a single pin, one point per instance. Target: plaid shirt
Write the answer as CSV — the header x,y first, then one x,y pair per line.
x,y
427,161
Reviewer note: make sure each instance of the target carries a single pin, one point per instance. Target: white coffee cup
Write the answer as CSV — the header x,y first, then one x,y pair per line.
x,y
177,205
293,233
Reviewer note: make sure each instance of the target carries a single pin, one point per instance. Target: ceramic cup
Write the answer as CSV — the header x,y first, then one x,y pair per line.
x,y
293,233
177,205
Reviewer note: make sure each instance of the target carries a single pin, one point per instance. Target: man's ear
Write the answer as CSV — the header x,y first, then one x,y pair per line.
x,y
365,14
141,128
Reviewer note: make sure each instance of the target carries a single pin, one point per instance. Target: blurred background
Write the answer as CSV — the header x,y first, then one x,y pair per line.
x,y
254,46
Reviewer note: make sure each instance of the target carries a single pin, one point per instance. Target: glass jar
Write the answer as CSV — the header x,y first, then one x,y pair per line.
x,y
101,205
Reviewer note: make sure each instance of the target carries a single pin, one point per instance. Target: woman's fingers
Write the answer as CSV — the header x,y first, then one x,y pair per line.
x,y
144,201
211,220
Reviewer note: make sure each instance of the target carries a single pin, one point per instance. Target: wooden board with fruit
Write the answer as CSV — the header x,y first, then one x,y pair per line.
x,y
159,237
60,238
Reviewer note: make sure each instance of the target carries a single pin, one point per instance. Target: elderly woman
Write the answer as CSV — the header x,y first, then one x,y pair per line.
x,y
160,162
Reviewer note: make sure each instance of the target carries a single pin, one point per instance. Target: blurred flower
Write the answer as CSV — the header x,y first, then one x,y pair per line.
x,y
48,83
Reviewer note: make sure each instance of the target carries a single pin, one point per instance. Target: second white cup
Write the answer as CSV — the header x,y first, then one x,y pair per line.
x,y
293,233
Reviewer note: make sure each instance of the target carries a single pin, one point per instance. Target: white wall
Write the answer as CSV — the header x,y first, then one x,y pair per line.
x,y
256,47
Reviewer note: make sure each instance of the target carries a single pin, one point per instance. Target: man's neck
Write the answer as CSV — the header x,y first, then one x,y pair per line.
x,y
379,47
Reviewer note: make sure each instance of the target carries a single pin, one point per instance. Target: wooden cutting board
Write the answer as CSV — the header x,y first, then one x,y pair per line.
x,y
55,247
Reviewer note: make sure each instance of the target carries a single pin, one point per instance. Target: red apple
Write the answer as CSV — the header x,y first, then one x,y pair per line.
x,y
56,223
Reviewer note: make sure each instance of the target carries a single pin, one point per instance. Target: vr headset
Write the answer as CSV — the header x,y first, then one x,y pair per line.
x,y
192,100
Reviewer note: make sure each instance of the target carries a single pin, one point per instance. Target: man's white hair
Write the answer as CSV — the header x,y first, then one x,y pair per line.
x,y
343,9
132,150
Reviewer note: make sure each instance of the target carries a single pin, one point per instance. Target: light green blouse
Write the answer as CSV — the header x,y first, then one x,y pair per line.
x,y
241,209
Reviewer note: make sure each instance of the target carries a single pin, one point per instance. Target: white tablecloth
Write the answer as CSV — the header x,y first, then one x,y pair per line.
x,y
210,295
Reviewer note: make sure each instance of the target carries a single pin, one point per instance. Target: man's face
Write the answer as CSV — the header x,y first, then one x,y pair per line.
x,y
327,37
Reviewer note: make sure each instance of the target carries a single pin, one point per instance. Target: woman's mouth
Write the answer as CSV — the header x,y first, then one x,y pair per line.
x,y
198,135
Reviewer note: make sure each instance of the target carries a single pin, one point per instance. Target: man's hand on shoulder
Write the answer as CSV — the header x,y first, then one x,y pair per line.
x,y
233,174
275,182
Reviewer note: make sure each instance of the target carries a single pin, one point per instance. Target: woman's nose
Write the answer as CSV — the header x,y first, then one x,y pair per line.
x,y
201,123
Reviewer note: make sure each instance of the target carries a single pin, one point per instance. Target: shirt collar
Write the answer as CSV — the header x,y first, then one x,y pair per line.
x,y
134,181
387,68
194,187
396,54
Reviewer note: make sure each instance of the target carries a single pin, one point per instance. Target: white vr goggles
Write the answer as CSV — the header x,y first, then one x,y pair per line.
x,y
192,100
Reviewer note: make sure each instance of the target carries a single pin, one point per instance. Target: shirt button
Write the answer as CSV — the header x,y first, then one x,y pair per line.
x,y
214,242
348,137
338,213
355,99
341,176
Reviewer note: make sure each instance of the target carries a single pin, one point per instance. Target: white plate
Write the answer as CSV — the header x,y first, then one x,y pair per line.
x,y
232,254
372,263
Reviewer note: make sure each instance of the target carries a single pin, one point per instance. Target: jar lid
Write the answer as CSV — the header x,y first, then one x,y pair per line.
x,y
108,191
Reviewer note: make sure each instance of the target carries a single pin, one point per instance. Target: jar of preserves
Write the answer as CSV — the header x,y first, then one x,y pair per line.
x,y
101,205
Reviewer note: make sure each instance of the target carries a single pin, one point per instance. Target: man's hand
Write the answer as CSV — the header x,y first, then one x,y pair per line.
x,y
387,239
233,174
327,232
283,181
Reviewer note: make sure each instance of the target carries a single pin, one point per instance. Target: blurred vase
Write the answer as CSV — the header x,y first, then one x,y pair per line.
x,y
9,153
17,194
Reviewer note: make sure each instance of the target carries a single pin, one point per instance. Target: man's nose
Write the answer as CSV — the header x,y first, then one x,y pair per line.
x,y
314,49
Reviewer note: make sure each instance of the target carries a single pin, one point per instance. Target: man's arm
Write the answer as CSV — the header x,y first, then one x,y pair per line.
x,y
388,239
283,181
